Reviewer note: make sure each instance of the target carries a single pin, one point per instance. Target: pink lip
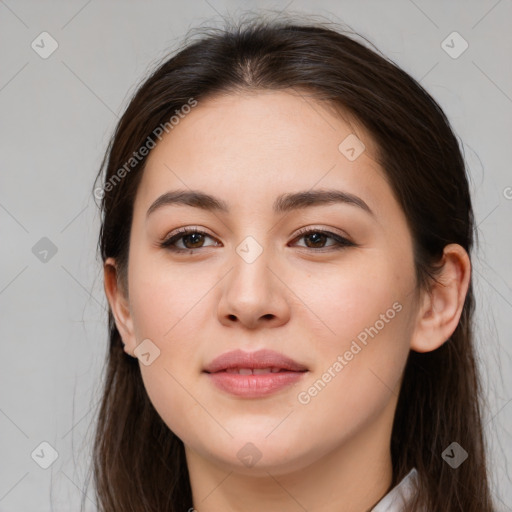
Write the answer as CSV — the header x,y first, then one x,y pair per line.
x,y
221,372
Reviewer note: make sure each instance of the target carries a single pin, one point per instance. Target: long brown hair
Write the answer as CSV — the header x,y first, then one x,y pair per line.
x,y
138,463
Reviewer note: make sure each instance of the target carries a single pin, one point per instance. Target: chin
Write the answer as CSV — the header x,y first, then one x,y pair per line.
x,y
254,454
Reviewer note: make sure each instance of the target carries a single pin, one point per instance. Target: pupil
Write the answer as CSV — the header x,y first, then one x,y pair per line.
x,y
318,238
192,236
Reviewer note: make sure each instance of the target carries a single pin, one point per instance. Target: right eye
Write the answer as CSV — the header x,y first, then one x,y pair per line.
x,y
192,238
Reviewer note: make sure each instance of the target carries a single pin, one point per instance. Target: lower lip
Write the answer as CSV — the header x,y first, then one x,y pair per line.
x,y
254,386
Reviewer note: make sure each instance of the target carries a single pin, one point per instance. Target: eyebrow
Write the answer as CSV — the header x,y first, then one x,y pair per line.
x,y
283,203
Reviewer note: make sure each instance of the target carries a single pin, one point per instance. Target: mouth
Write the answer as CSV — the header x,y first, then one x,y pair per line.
x,y
254,371
253,374
261,361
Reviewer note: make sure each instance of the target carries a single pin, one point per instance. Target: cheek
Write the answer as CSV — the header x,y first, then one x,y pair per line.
x,y
342,302
168,307
172,397
166,299
363,335
358,374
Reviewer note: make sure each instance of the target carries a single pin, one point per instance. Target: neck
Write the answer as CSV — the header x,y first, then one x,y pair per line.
x,y
352,478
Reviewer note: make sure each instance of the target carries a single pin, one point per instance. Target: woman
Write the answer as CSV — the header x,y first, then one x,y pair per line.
x,y
286,238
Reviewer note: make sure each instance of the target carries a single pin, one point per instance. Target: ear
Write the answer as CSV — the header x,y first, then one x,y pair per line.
x,y
441,307
119,304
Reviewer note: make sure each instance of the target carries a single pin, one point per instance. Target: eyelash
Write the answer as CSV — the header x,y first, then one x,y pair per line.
x,y
340,242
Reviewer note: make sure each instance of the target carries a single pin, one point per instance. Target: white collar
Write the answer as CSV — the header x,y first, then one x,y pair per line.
x,y
399,496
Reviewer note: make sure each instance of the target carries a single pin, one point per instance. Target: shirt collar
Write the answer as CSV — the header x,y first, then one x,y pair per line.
x,y
399,496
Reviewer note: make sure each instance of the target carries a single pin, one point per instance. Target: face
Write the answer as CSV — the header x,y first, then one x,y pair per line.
x,y
327,284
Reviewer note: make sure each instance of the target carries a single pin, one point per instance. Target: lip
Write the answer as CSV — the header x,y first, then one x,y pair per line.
x,y
222,372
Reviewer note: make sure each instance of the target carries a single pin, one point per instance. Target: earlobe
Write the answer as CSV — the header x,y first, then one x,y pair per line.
x,y
439,314
119,305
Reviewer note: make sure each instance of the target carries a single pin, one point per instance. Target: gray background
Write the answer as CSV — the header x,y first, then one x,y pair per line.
x,y
57,115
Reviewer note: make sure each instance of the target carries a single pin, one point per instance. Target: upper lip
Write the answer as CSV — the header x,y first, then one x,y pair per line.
x,y
259,359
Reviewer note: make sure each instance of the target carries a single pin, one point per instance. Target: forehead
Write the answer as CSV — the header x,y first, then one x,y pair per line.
x,y
260,143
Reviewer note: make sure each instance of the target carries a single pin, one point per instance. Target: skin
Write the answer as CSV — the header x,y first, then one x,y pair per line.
x,y
297,298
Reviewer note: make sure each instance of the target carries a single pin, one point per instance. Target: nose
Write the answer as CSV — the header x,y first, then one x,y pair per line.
x,y
254,294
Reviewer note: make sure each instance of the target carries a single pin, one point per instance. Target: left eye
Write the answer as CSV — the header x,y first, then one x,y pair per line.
x,y
319,237
194,239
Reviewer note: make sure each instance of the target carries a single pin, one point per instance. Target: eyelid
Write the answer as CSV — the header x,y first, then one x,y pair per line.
x,y
187,230
309,229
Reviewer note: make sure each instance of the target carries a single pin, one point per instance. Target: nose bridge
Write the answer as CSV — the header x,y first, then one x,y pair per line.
x,y
251,260
252,292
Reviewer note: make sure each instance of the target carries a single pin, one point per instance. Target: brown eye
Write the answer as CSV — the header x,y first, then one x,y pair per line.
x,y
316,239
189,238
195,240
